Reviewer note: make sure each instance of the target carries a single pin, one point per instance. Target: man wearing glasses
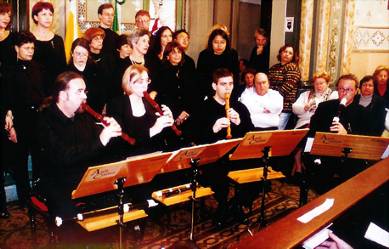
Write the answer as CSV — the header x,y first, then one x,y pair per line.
x,y
69,142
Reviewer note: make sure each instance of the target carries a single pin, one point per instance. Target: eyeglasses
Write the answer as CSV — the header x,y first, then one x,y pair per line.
x,y
345,90
142,81
79,54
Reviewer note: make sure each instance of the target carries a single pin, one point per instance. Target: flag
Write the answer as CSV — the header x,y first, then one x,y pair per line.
x,y
115,26
72,30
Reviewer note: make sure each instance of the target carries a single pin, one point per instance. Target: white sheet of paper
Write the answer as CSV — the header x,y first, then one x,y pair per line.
x,y
326,205
317,238
308,145
386,153
377,234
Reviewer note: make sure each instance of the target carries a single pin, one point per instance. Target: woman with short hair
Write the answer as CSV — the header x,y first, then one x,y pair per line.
x,y
49,47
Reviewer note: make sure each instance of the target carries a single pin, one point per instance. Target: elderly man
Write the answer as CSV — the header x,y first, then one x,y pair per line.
x,y
264,104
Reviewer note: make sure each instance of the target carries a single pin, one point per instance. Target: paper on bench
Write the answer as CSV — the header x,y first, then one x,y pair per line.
x,y
327,204
308,145
317,238
377,234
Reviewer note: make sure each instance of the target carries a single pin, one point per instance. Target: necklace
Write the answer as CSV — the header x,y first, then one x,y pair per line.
x,y
139,62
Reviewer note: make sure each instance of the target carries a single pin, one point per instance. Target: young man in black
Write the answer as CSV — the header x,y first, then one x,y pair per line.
x,y
212,123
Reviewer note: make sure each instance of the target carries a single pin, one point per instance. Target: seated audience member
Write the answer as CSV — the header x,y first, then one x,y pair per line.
x,y
247,81
243,65
374,106
351,120
218,54
264,104
381,83
259,58
306,104
70,141
80,63
212,125
137,116
285,78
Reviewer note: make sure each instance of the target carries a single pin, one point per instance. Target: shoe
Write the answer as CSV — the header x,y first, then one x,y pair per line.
x,y
4,214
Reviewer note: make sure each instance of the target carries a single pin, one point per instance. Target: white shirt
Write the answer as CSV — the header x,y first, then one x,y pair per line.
x,y
257,104
304,117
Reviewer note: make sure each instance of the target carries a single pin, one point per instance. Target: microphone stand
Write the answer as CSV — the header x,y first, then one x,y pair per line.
x,y
120,194
193,185
265,160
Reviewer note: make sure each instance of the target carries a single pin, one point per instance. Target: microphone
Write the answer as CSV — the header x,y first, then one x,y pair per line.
x,y
341,107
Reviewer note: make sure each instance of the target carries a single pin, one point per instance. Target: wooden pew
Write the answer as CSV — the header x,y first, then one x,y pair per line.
x,y
288,232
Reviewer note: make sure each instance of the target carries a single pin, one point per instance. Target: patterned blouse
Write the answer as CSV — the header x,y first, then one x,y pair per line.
x,y
285,79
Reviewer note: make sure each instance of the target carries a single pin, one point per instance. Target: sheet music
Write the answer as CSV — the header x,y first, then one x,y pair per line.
x,y
386,153
307,217
308,145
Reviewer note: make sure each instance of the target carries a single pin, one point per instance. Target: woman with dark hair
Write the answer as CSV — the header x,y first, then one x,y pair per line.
x,y
7,58
175,84
49,47
381,83
162,37
246,81
285,78
122,62
7,50
218,54
82,64
373,104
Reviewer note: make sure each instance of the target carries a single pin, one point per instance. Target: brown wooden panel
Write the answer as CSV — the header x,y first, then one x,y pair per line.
x,y
288,232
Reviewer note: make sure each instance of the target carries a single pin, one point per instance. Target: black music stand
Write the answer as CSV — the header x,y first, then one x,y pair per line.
x,y
194,157
117,176
266,144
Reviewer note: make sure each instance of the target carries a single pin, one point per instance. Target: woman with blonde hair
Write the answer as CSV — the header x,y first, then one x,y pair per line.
x,y
137,116
306,104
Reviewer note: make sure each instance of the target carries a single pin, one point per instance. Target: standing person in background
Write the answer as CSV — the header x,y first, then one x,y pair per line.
x,y
81,63
182,37
7,59
24,95
259,58
105,63
218,54
122,62
142,20
106,15
285,78
381,83
49,47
